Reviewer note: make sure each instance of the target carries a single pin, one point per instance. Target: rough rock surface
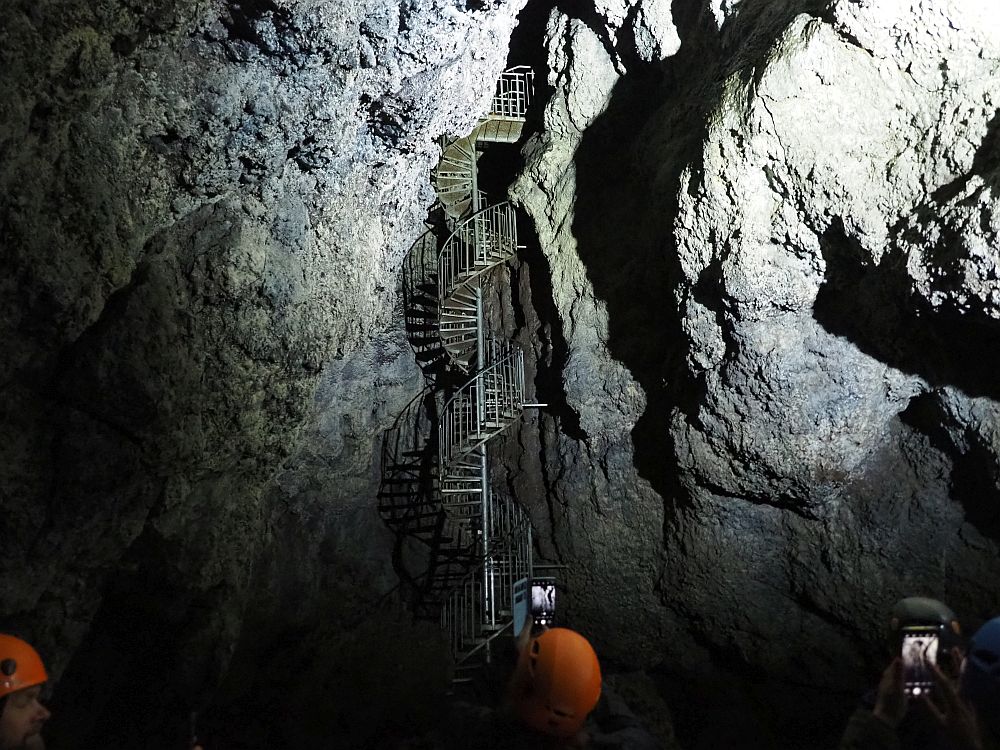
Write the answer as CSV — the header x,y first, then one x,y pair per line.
x,y
774,300
203,209
764,308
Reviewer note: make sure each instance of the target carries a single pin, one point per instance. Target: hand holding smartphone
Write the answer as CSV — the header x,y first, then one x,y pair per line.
x,y
919,652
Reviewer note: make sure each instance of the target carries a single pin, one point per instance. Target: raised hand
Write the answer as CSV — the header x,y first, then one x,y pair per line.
x,y
890,705
956,717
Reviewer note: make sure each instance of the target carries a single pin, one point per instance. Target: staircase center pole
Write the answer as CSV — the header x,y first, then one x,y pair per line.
x,y
474,173
479,233
483,414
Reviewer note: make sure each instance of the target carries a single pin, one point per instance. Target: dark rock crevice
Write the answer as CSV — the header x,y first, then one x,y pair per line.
x,y
613,223
149,641
974,479
874,308
986,164
553,351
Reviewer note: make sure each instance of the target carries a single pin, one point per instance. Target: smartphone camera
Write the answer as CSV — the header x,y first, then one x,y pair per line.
x,y
543,601
919,653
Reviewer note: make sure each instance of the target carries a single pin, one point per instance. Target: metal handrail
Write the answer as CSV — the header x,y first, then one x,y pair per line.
x,y
514,92
508,557
484,406
480,607
479,243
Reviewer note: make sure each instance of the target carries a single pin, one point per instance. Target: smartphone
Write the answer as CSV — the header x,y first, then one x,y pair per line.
x,y
543,601
919,652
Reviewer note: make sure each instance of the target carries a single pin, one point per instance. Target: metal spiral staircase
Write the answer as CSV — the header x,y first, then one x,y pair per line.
x,y
480,540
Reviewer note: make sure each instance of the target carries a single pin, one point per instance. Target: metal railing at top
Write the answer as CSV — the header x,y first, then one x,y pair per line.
x,y
483,407
477,244
514,92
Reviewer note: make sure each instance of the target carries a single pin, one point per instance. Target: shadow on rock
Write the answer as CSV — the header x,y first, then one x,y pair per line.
x,y
874,308
973,480
623,224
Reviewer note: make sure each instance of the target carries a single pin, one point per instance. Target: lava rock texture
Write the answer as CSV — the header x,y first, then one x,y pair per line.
x,y
772,235
763,304
203,210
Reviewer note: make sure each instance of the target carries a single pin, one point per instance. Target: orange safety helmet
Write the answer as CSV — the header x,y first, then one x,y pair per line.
x,y
561,682
20,666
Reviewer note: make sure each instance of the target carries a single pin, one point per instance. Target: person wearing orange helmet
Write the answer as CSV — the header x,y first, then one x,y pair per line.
x,y
557,681
22,676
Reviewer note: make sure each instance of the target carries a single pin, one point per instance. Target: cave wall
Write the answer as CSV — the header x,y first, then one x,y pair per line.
x,y
771,232
762,308
203,210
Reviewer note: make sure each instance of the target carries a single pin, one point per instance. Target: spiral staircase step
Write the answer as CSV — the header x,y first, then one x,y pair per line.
x,y
496,129
454,181
451,314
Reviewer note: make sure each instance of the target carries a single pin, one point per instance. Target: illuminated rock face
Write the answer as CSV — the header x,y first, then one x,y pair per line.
x,y
203,208
763,310
773,318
